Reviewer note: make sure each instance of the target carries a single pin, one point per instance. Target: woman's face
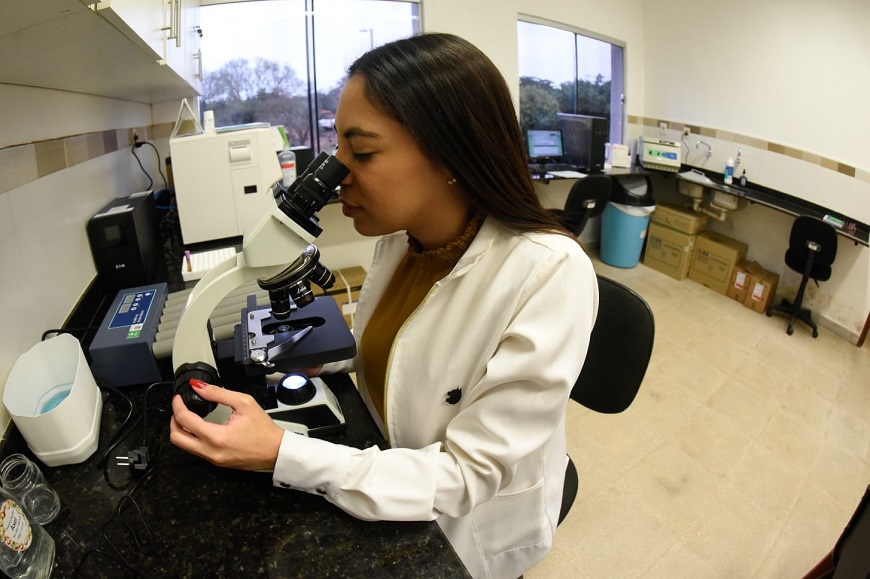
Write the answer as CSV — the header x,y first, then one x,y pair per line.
x,y
392,186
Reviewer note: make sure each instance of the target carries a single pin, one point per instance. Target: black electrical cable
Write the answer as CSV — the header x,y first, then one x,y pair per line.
x,y
142,538
159,170
67,331
127,428
138,144
150,180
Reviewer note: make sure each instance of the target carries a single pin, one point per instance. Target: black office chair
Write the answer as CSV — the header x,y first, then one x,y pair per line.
x,y
619,352
812,248
587,199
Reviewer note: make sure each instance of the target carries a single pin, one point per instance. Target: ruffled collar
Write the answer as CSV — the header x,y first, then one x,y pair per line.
x,y
450,253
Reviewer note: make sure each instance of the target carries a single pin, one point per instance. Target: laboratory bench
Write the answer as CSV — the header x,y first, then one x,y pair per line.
x,y
189,518
845,226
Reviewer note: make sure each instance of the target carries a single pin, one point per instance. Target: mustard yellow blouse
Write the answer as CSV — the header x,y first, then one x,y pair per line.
x,y
414,277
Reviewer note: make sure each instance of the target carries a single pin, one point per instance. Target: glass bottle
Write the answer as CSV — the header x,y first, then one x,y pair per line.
x,y
26,550
23,480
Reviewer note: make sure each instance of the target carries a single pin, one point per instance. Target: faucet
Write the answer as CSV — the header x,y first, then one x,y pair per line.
x,y
709,148
737,160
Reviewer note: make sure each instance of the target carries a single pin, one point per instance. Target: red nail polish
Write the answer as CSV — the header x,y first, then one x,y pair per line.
x,y
197,383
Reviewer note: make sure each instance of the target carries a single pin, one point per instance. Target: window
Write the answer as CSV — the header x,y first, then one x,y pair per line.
x,y
284,61
568,76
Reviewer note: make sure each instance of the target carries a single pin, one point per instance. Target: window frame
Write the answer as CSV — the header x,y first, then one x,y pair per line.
x,y
309,75
617,86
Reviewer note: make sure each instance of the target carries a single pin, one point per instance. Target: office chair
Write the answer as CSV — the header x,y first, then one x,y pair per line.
x,y
812,248
587,198
619,352
850,556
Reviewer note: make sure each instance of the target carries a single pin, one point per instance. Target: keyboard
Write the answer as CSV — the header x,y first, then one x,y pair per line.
x,y
550,167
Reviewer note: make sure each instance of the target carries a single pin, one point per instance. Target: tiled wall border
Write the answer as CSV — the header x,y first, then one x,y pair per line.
x,y
22,164
830,164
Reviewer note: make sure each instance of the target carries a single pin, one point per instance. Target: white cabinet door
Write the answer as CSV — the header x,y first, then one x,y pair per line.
x,y
165,29
142,21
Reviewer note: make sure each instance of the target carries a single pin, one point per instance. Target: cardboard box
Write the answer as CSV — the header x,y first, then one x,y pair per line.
x,y
679,218
741,278
669,251
714,259
761,291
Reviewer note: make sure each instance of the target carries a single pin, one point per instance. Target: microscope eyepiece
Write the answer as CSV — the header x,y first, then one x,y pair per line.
x,y
311,191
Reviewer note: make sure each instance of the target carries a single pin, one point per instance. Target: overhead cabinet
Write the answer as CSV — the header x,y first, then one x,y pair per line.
x,y
138,50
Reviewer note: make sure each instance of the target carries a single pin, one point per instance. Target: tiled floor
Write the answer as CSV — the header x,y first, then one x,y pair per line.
x,y
743,456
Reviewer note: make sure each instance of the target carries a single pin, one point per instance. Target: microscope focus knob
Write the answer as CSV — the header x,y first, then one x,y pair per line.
x,y
295,389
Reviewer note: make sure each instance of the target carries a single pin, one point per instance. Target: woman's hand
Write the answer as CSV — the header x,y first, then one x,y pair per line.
x,y
248,441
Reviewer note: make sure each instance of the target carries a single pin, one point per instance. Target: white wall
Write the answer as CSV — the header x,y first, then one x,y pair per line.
x,y
44,253
787,72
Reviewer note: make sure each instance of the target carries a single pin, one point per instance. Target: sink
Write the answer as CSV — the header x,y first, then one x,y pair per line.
x,y
695,176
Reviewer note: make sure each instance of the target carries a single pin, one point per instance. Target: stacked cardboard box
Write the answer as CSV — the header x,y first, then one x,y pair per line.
x,y
741,279
714,260
679,218
670,240
345,292
759,288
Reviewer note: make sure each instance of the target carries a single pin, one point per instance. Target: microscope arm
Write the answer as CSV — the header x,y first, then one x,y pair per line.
x,y
192,340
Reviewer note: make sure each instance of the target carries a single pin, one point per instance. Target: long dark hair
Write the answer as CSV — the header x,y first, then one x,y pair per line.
x,y
456,104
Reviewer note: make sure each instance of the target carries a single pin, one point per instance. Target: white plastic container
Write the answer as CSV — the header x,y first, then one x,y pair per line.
x,y
55,402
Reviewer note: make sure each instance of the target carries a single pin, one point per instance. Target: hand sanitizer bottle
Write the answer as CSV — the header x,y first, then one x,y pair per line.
x,y
729,171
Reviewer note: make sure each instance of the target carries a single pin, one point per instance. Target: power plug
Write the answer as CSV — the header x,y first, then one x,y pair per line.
x,y
136,459
686,131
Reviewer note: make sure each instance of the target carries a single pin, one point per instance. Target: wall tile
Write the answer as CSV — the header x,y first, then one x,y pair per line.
x,y
50,157
76,149
96,148
845,169
17,167
110,141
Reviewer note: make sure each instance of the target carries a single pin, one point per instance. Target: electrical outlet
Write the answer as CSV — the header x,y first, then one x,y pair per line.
x,y
663,125
686,131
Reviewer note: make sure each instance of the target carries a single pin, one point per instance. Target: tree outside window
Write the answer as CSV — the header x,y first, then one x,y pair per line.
x,y
566,72
284,61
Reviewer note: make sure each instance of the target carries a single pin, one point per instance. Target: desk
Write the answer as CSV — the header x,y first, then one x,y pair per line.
x,y
213,522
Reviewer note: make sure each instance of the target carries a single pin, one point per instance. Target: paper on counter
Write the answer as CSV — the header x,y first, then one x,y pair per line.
x,y
568,174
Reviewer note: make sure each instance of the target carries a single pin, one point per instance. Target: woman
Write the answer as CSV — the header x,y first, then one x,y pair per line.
x,y
472,324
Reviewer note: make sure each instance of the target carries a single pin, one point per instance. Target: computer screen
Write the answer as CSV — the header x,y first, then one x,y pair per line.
x,y
545,143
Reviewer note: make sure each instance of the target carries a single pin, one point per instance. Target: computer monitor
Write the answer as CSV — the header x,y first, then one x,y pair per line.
x,y
584,139
545,144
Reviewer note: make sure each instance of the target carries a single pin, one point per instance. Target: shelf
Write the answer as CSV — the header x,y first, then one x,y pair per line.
x,y
64,45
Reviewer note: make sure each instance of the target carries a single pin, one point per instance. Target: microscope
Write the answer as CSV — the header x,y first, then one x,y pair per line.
x,y
268,336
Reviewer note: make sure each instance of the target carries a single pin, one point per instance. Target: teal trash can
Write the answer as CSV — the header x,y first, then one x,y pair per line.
x,y
625,221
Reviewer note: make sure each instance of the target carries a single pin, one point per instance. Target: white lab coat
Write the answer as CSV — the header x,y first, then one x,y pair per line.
x,y
510,327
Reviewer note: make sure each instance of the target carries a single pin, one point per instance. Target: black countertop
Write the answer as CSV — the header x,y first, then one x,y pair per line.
x,y
206,521
851,229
